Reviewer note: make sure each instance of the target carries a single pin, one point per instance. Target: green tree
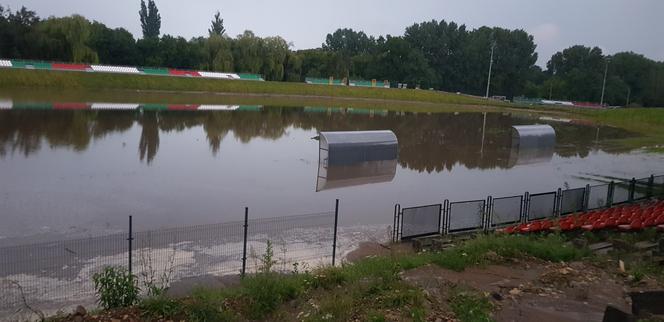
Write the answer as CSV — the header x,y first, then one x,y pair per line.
x,y
150,19
582,70
217,27
75,31
247,53
113,46
346,43
400,62
274,51
218,53
441,43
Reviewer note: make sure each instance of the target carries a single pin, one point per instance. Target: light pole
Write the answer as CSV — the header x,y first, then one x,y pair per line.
x,y
629,92
488,81
606,70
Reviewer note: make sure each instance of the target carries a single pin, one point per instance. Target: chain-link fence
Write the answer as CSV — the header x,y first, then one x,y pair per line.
x,y
54,275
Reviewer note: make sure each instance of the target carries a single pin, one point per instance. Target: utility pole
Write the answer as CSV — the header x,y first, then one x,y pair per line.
x,y
629,92
606,70
488,82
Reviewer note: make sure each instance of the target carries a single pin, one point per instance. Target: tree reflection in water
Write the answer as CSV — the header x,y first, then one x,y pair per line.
x,y
428,142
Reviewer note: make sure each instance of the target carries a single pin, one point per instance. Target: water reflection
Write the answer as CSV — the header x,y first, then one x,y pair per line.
x,y
428,142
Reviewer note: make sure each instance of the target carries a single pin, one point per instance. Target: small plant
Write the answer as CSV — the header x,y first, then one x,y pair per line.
x,y
115,288
155,283
267,260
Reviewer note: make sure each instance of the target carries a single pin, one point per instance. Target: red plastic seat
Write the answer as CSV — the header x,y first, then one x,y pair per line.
x,y
567,226
659,220
633,226
611,223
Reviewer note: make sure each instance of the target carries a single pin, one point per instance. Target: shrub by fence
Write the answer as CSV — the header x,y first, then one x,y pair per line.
x,y
476,215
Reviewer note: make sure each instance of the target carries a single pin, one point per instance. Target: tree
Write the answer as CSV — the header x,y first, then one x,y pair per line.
x,y
150,19
274,52
400,62
247,53
346,43
75,32
113,46
441,43
218,53
217,27
582,70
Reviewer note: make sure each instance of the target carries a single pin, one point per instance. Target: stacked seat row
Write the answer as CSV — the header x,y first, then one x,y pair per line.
x,y
29,64
623,218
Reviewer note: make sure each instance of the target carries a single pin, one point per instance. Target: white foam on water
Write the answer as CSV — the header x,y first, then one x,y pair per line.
x,y
5,63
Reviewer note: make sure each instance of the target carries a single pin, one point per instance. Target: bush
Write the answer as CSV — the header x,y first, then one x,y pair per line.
x,y
263,293
115,288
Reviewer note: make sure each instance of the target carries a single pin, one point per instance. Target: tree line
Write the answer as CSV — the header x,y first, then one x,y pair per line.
x,y
434,54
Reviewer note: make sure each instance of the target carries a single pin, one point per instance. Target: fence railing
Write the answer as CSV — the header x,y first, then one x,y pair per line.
x,y
491,213
52,273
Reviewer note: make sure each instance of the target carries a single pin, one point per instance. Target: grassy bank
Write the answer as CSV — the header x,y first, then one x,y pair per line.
x,y
369,290
19,78
649,122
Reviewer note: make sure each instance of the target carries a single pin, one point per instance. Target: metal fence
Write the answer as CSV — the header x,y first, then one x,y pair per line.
x,y
541,205
598,196
572,200
620,193
420,221
52,275
465,216
506,211
484,215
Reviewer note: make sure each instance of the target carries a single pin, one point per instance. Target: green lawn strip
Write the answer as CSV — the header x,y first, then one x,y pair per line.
x,y
17,78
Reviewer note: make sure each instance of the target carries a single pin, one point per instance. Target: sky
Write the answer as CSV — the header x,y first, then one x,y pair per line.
x,y
613,25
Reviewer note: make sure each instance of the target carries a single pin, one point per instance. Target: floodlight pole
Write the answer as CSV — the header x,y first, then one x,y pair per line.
x,y
488,82
606,70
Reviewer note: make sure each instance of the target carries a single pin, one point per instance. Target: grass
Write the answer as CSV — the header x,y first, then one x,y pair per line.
x,y
19,78
649,122
469,306
369,290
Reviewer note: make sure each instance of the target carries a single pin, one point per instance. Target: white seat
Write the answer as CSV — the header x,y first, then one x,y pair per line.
x,y
114,106
115,69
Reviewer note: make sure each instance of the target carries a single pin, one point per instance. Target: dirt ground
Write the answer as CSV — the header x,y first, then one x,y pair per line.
x,y
526,290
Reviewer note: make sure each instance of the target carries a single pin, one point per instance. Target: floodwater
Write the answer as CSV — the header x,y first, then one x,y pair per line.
x,y
68,170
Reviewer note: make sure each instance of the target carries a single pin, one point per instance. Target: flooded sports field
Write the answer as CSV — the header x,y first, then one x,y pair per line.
x,y
73,169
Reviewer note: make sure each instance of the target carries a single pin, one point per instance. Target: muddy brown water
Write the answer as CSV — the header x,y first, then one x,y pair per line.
x,y
82,172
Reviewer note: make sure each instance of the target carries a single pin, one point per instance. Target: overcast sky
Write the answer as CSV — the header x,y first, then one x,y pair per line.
x,y
613,25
